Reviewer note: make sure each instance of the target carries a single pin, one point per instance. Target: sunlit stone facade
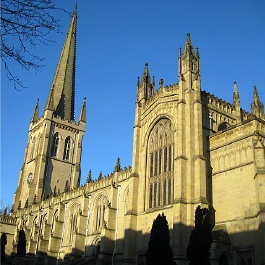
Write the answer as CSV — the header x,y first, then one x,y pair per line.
x,y
190,148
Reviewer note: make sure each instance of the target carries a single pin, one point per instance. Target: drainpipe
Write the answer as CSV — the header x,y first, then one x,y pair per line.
x,y
115,243
58,256
88,215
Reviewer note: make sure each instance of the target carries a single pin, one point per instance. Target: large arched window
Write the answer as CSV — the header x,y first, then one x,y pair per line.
x,y
66,148
160,164
100,208
55,144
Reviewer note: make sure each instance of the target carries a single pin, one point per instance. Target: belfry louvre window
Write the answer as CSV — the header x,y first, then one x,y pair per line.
x,y
160,164
55,143
66,148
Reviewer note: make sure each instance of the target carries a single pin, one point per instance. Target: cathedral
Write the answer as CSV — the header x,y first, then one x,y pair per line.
x,y
190,148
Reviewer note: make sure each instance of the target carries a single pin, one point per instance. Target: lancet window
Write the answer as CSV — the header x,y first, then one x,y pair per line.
x,y
160,164
55,144
66,152
100,212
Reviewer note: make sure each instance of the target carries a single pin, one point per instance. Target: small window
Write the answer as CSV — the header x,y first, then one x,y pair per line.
x,y
55,144
66,149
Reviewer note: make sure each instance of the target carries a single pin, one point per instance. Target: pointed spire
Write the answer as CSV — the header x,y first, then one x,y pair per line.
x,y
146,76
257,107
82,116
63,85
35,115
236,94
188,50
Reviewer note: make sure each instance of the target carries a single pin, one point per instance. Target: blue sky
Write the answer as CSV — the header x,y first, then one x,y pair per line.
x,y
114,41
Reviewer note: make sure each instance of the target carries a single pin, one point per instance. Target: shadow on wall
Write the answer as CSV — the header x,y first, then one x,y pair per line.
x,y
133,248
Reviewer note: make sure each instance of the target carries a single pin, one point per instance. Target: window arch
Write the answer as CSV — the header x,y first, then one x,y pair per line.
x,y
100,207
160,164
67,145
55,144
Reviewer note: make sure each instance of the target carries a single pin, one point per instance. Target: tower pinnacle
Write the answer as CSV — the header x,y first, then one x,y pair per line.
x,y
35,115
257,107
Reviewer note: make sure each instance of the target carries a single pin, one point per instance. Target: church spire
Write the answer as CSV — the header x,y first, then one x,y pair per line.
x,y
188,50
257,107
35,115
63,85
82,116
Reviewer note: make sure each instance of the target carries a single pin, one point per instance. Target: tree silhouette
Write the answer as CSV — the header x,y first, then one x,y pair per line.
x,y
159,251
3,246
25,25
21,246
198,251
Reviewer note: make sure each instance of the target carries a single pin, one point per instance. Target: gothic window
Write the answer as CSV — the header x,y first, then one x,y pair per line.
x,y
160,175
100,212
151,164
244,257
55,143
66,148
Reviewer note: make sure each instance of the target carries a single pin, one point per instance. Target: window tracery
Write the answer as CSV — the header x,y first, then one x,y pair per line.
x,y
160,174
100,212
55,143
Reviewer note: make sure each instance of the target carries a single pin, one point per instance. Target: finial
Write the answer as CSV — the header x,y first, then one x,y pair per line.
x,y
188,34
197,51
161,82
146,64
84,98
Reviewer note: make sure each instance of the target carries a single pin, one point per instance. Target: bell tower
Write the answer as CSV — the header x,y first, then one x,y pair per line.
x,y
53,153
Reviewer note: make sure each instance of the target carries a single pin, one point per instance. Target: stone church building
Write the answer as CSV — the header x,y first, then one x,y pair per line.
x,y
190,148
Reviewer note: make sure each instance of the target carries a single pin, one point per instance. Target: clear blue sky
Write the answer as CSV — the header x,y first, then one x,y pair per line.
x,y
114,40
